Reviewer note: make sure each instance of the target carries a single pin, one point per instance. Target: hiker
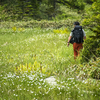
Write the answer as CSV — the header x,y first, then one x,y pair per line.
x,y
76,38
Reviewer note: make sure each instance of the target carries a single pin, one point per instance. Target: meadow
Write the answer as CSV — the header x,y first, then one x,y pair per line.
x,y
29,55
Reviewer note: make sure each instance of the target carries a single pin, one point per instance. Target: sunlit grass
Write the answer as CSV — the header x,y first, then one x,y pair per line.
x,y
49,50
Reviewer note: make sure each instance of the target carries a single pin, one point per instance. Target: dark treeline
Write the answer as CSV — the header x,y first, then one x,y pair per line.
x,y
38,9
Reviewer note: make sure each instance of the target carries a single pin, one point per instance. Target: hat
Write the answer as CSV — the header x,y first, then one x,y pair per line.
x,y
76,23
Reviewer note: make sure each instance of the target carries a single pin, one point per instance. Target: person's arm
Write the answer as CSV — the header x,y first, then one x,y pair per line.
x,y
69,40
84,35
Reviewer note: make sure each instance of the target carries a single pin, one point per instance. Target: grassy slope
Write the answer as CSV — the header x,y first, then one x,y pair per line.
x,y
40,42
51,50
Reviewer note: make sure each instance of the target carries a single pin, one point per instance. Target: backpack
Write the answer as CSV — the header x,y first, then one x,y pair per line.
x,y
77,35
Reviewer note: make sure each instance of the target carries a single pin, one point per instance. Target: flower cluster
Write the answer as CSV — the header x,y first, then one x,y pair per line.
x,y
65,31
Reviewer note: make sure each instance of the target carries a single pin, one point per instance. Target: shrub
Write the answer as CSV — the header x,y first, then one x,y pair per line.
x,y
91,49
89,70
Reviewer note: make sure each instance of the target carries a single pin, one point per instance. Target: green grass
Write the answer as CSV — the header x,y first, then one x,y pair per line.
x,y
48,49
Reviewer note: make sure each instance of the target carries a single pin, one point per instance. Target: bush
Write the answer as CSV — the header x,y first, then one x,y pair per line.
x,y
89,70
91,49
34,24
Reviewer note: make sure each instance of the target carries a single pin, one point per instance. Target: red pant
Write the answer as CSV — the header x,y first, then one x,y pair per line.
x,y
76,48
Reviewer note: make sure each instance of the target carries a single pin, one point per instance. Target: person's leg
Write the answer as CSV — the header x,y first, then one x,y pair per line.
x,y
75,50
80,47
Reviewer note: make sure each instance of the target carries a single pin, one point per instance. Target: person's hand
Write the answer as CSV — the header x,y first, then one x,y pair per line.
x,y
68,44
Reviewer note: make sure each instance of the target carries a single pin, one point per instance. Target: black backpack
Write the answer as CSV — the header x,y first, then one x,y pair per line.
x,y
77,35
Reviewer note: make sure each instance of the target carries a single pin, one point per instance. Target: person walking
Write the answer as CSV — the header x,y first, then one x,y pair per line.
x,y
77,37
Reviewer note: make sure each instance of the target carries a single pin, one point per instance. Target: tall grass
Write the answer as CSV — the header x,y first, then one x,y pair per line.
x,y
19,47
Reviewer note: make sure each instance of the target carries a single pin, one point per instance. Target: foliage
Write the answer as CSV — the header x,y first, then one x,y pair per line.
x,y
93,20
91,49
28,68
35,24
92,45
38,9
41,44
24,45
15,29
3,13
76,4
88,1
35,87
89,70
65,31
